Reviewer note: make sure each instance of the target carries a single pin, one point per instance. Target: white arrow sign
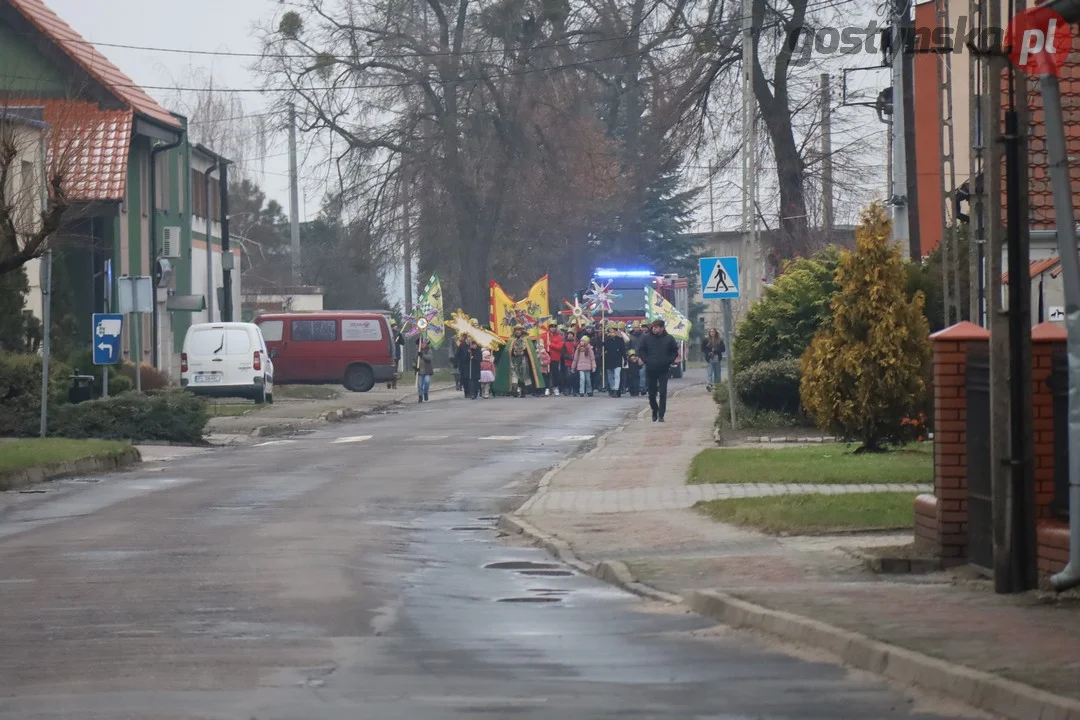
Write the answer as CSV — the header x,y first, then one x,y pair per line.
x,y
106,346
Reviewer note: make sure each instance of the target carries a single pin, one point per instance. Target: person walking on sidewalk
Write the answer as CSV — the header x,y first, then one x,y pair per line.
x,y
712,350
658,351
424,371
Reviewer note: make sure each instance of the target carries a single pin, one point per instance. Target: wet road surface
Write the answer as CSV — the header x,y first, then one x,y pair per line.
x,y
355,573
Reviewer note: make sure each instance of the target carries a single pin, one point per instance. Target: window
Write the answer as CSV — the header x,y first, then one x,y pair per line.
x,y
27,192
359,330
272,330
215,199
314,330
208,341
238,342
198,194
161,182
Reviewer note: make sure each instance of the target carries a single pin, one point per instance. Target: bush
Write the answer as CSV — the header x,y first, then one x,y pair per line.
x,y
152,378
791,311
173,416
749,418
770,385
865,376
20,392
83,361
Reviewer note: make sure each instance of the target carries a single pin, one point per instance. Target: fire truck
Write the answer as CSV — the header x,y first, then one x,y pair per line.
x,y
630,306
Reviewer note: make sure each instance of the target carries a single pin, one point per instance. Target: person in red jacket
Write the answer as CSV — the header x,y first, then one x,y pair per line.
x,y
555,350
569,377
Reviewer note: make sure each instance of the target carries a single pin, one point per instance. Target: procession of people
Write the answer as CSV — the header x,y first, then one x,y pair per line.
x,y
632,359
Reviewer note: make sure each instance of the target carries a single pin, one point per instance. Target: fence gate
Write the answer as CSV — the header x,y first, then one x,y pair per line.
x,y
980,505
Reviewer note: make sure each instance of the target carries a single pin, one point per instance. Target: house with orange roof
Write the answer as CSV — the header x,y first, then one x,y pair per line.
x,y
136,187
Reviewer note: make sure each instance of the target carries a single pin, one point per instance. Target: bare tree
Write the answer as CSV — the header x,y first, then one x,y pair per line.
x,y
42,167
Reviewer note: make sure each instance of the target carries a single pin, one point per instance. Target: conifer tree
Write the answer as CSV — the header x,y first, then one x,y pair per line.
x,y
863,377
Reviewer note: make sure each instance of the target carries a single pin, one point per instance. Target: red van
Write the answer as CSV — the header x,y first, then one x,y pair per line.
x,y
355,348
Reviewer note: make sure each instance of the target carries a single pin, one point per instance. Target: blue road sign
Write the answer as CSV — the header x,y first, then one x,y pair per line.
x,y
719,278
106,338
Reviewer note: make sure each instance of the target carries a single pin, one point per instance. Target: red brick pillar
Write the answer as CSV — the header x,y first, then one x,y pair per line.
x,y
1047,339
941,518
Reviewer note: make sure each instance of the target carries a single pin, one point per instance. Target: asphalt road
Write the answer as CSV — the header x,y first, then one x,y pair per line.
x,y
343,574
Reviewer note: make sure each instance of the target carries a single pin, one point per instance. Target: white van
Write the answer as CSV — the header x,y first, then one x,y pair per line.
x,y
227,360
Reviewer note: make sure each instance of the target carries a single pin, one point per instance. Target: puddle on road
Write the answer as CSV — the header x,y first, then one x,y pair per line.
x,y
521,565
546,573
536,599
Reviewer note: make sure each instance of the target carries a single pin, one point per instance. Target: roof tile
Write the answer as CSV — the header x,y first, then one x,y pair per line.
x,y
89,147
97,65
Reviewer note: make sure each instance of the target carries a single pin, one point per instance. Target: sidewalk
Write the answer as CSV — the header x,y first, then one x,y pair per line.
x,y
288,415
626,501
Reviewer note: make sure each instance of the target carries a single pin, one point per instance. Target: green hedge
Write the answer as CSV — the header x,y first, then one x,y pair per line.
x,y
20,392
174,416
770,385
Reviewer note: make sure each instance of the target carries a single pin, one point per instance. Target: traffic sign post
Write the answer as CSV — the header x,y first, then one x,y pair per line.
x,y
720,281
719,278
107,331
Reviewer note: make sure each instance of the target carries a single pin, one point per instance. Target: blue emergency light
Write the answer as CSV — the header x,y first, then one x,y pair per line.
x,y
612,273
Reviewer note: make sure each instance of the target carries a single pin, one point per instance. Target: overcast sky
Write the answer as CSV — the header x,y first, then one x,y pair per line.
x,y
215,25
230,26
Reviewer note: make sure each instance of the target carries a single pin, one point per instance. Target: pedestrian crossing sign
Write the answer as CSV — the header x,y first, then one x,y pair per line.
x,y
719,278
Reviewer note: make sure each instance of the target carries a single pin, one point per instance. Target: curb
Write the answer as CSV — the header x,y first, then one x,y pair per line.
x,y
1007,698
30,476
973,687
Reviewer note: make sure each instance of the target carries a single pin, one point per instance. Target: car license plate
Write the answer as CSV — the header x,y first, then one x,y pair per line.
x,y
207,378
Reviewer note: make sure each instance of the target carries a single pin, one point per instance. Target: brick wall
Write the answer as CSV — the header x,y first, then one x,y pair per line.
x,y
941,520
1047,340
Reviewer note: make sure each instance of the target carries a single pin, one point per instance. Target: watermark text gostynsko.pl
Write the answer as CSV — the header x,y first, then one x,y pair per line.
x,y
1037,40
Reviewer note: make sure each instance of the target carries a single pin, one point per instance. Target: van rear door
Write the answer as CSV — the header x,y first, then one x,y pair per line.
x,y
205,348
240,360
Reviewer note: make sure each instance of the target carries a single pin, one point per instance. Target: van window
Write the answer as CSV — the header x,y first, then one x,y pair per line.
x,y
206,341
272,330
314,330
238,342
358,330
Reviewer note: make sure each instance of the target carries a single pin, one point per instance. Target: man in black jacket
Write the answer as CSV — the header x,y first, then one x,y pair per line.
x,y
658,351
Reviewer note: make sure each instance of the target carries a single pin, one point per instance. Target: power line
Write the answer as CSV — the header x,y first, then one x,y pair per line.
x,y
814,4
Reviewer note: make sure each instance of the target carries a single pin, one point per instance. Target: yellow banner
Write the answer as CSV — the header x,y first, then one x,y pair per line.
x,y
506,313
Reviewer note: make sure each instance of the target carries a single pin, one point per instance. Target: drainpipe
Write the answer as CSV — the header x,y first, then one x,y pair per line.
x,y
1070,272
210,289
154,359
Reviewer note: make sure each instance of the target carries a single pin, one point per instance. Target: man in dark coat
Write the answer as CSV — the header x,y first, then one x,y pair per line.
x,y
658,351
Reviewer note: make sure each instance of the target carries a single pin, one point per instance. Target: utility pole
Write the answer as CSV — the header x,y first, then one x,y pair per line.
x,y
976,127
46,338
712,206
949,252
826,159
294,202
901,235
997,320
749,261
911,175
1023,555
406,234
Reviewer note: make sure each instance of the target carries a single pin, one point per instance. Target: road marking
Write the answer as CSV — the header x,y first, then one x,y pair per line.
x,y
503,437
429,438
275,442
353,439
576,438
